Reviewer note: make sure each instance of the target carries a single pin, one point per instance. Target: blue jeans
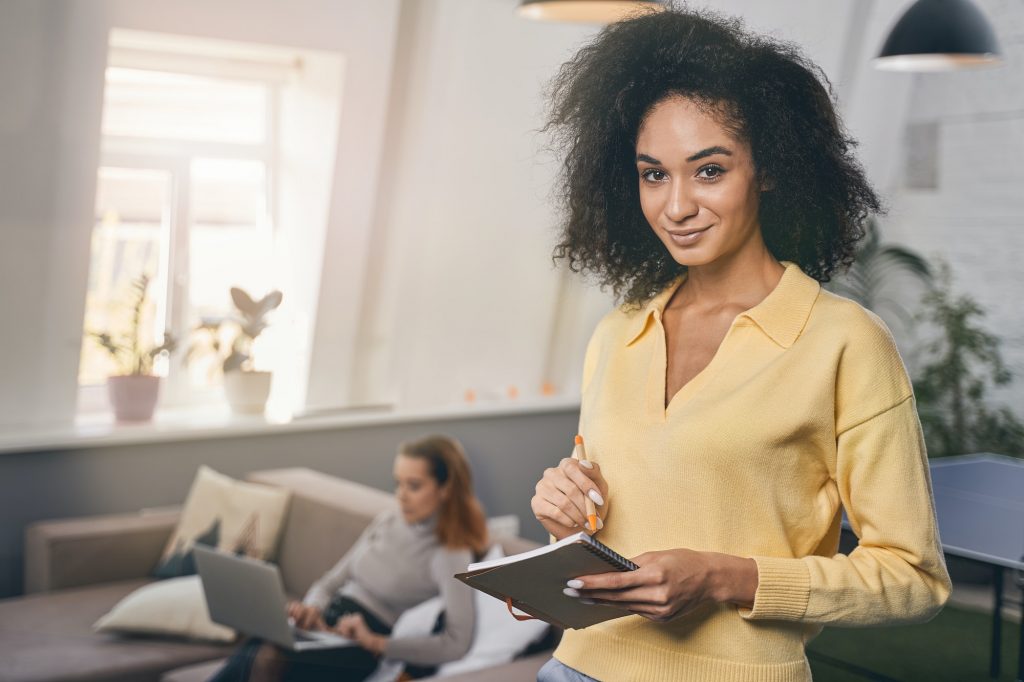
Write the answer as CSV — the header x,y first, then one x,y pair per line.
x,y
556,671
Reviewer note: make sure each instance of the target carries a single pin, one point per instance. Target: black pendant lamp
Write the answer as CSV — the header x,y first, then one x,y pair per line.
x,y
940,35
587,11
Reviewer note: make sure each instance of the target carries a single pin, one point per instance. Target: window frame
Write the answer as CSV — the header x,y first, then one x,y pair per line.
x,y
176,157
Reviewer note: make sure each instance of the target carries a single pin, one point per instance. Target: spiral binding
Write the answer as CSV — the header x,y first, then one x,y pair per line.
x,y
605,552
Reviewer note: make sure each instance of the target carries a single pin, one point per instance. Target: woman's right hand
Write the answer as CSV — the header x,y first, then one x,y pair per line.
x,y
306,616
559,503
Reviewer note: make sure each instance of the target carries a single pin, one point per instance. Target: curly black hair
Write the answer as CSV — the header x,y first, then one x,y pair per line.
x,y
761,89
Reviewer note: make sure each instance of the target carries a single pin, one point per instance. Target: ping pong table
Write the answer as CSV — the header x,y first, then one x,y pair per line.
x,y
979,504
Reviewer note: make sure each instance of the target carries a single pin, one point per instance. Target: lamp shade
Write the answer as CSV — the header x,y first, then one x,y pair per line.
x,y
940,35
586,11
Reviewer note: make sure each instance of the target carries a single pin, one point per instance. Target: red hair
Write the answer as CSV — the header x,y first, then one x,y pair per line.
x,y
461,522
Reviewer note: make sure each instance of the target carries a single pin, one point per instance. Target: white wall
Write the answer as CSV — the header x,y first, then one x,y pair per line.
x,y
436,267
49,118
462,294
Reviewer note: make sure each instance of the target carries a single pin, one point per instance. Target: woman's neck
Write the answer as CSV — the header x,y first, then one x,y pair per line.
x,y
740,281
426,525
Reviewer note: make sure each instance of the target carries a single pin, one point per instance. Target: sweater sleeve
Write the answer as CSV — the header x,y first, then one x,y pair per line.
x,y
455,640
897,573
323,590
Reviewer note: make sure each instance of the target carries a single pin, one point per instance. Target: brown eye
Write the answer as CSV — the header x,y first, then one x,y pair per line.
x,y
711,172
653,175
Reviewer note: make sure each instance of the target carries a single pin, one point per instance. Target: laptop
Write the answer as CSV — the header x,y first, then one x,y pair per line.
x,y
247,595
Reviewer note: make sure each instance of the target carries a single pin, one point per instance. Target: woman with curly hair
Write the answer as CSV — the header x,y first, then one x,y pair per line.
x,y
732,408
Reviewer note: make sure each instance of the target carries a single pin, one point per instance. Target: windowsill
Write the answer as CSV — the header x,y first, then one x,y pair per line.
x,y
219,422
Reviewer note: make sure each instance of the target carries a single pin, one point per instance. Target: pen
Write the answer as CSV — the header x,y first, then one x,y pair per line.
x,y
580,453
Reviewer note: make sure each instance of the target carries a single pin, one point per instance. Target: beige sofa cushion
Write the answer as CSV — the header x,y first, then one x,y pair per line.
x,y
200,672
523,670
49,637
67,553
325,517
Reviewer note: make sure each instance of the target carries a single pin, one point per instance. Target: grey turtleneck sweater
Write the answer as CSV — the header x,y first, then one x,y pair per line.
x,y
394,566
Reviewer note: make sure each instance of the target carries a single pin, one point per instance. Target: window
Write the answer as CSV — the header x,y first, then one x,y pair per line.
x,y
132,218
187,188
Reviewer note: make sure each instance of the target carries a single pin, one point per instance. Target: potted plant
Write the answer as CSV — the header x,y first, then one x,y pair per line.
x,y
868,280
963,362
246,388
135,390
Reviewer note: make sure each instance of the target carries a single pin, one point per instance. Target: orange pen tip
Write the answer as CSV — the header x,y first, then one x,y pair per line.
x,y
578,440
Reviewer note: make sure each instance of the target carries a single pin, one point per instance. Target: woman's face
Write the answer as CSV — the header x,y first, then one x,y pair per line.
x,y
418,493
697,183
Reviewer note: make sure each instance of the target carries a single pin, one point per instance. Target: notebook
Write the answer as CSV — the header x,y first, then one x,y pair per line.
x,y
534,580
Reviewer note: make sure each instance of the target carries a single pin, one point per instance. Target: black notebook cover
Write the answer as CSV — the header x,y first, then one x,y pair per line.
x,y
534,580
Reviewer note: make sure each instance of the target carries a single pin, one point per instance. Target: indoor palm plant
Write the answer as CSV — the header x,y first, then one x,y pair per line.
x,y
247,388
134,391
869,279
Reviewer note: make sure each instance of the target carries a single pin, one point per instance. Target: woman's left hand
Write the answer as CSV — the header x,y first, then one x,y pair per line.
x,y
670,583
354,627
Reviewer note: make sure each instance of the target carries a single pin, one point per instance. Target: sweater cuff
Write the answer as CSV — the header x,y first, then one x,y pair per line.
x,y
317,598
783,590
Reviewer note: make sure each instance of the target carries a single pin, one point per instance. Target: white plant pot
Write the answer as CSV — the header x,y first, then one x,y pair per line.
x,y
247,392
133,396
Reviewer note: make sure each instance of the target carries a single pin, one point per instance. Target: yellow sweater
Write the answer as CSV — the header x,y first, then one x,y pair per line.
x,y
806,406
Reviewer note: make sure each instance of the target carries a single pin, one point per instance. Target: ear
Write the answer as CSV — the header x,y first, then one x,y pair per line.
x,y
767,184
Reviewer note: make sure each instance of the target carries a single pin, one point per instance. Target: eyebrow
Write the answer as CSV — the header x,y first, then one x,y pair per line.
x,y
710,151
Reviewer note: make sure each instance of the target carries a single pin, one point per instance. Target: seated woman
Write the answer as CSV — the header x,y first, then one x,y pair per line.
x,y
404,557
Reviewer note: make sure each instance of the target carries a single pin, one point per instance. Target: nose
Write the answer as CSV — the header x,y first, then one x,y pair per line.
x,y
681,204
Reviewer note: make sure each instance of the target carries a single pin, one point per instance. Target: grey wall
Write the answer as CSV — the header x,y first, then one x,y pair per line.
x,y
508,455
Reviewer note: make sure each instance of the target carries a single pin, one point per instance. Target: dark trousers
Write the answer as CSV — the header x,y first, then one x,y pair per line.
x,y
345,664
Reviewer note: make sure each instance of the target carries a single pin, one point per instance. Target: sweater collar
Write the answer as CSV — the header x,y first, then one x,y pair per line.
x,y
425,527
781,315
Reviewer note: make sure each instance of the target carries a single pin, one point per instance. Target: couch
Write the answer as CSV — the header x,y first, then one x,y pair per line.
x,y
77,569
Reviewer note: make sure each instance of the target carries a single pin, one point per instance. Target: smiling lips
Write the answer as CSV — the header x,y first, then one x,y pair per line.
x,y
688,237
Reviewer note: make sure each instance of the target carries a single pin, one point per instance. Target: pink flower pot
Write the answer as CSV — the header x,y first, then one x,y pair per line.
x,y
133,396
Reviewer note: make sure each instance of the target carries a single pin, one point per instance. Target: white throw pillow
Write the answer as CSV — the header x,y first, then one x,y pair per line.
x,y
419,620
415,622
176,606
497,637
234,516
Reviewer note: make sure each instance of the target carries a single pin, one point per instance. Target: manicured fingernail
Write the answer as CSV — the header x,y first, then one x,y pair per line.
x,y
588,602
586,463
600,523
569,592
596,497
575,584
